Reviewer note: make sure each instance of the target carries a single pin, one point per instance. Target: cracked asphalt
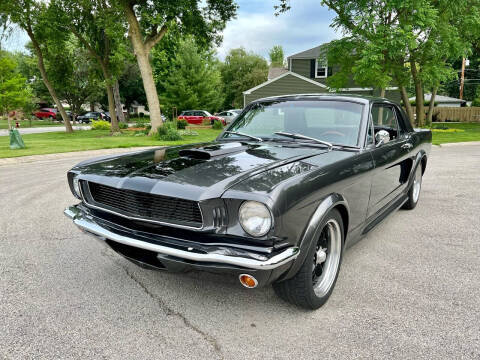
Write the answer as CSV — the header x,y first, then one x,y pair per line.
x,y
409,289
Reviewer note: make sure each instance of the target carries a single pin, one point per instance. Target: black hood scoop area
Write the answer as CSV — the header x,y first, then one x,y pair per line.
x,y
211,151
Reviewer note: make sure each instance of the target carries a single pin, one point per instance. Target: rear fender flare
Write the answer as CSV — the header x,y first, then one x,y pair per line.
x,y
313,229
418,162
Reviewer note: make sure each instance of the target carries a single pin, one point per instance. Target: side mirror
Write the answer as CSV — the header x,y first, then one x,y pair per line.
x,y
382,137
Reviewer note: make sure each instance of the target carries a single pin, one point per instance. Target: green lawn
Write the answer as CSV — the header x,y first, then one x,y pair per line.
x,y
455,132
57,142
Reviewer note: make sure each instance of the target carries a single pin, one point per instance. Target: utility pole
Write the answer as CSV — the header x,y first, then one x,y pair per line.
x,y
462,79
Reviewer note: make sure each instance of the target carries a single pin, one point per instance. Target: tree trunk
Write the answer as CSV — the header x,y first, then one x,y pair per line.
x,y
419,99
431,105
142,50
406,103
111,109
111,98
43,72
118,102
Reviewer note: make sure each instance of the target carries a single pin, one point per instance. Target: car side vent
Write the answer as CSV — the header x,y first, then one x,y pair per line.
x,y
219,217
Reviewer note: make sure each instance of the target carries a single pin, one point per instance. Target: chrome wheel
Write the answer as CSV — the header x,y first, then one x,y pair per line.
x,y
326,259
417,184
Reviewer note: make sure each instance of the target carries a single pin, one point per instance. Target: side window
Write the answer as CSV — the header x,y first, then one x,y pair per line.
x,y
384,118
199,113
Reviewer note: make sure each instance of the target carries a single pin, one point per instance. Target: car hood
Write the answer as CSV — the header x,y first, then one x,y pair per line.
x,y
195,172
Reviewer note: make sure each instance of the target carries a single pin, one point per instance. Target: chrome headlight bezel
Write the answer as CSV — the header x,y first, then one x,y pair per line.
x,y
76,187
248,211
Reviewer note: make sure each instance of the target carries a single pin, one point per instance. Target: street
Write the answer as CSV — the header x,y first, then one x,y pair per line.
x,y
409,289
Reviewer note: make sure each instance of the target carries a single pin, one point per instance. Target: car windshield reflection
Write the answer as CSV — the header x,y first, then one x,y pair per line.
x,y
336,122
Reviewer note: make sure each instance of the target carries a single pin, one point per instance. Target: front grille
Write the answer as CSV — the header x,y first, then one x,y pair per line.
x,y
146,206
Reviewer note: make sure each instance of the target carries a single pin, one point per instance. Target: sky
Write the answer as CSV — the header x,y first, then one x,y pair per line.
x,y
257,29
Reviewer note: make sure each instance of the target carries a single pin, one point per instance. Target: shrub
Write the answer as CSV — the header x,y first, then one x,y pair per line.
x,y
148,127
168,132
141,114
100,125
122,125
476,102
181,124
217,125
139,124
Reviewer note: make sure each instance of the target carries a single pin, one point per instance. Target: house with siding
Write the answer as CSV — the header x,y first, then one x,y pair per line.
x,y
307,73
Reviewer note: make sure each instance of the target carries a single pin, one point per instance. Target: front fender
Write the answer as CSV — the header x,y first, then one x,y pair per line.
x,y
314,227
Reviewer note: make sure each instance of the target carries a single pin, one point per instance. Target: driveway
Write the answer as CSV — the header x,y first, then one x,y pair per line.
x,y
43,129
410,289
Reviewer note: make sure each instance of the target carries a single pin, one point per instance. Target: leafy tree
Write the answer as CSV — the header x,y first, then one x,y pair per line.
x,y
131,86
195,81
403,41
241,71
31,16
99,28
471,89
149,21
14,94
276,56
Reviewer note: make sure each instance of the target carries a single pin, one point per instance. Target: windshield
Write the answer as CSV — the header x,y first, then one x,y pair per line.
x,y
336,122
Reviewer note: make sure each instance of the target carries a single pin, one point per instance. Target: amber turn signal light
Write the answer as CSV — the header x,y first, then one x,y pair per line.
x,y
248,281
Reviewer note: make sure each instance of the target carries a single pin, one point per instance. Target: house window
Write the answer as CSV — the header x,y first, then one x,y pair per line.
x,y
321,68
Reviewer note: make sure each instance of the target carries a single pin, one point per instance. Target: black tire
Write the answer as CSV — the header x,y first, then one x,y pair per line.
x,y
415,189
299,289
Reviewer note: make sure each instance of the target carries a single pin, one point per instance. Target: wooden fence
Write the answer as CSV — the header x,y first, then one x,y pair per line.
x,y
461,114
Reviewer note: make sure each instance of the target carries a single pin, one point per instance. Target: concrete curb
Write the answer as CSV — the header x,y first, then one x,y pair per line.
x,y
93,153
472,143
59,156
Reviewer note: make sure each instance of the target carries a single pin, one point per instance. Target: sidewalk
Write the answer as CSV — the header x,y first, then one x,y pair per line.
x,y
43,129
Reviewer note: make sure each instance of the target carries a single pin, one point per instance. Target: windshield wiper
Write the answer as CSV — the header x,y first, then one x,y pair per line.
x,y
243,134
300,136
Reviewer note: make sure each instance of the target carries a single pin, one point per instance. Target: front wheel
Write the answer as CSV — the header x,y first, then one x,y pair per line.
x,y
313,284
414,192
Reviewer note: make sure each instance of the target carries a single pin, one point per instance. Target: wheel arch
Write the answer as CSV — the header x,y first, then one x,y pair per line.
x,y
312,230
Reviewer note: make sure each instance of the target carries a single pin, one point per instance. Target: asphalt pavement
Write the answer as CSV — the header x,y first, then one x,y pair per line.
x,y
410,289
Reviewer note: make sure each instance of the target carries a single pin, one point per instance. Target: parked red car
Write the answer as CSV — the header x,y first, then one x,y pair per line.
x,y
46,113
197,117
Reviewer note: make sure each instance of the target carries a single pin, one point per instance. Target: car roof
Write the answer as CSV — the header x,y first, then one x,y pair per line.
x,y
364,99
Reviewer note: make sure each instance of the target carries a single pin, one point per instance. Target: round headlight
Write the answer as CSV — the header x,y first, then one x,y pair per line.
x,y
255,218
76,186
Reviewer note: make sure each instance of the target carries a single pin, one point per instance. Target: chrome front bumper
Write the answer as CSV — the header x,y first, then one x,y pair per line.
x,y
87,224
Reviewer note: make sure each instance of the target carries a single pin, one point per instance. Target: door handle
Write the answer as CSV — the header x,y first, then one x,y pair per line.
x,y
407,146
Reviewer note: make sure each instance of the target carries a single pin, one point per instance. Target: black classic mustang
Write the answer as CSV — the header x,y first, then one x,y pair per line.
x,y
275,199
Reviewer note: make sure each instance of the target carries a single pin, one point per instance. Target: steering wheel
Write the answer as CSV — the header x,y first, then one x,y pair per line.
x,y
332,132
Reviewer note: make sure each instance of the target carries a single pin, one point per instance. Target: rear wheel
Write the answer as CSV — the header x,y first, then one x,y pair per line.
x,y
414,192
314,282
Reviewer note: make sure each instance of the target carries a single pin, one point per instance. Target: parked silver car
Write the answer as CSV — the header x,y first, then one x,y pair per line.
x,y
229,115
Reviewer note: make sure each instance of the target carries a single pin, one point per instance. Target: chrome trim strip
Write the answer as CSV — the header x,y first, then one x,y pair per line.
x,y
93,228
137,218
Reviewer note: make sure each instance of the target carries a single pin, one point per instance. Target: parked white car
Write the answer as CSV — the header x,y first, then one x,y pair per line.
x,y
229,115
